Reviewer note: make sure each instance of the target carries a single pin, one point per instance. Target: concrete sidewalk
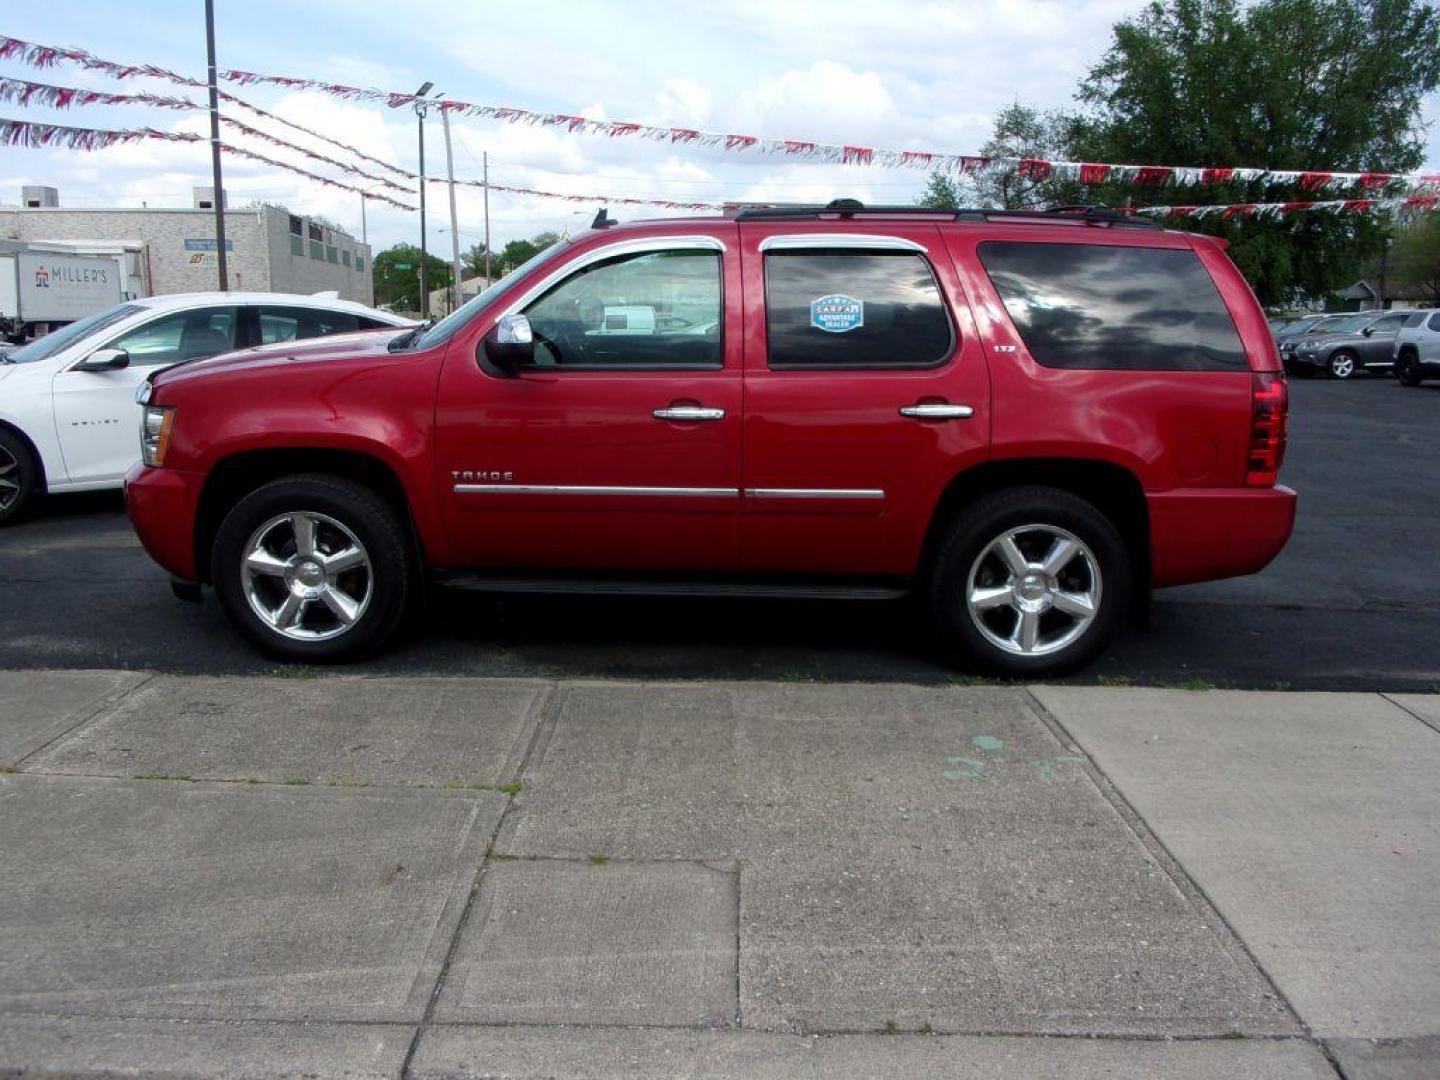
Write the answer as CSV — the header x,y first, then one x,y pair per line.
x,y
479,877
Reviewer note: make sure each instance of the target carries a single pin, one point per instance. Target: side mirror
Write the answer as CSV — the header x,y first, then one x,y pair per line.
x,y
511,344
104,360
1369,331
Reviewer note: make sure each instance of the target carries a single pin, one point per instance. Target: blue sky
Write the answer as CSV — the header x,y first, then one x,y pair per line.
x,y
876,72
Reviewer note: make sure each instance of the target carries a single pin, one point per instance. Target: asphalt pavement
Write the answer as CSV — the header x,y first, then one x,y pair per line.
x,y
1353,603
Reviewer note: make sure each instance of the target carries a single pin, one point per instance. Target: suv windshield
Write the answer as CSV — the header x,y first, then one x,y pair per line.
x,y
1348,325
447,326
47,346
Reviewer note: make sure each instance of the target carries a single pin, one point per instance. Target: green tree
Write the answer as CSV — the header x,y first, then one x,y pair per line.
x,y
518,251
472,260
1414,259
1022,131
941,192
397,276
1281,84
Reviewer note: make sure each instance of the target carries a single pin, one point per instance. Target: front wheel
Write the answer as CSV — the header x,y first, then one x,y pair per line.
x,y
1030,582
19,478
1343,365
314,568
1407,370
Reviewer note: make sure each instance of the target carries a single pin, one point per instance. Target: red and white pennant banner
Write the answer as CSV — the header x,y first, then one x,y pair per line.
x,y
23,92
1316,180
1405,204
46,56
34,135
1034,168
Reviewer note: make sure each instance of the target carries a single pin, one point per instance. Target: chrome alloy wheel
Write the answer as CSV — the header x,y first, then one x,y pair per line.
x,y
306,576
1034,590
9,479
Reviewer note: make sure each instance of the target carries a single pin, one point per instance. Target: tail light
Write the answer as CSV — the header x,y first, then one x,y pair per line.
x,y
1269,412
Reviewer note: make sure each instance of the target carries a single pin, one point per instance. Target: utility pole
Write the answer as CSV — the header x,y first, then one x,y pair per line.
x,y
364,239
485,187
215,178
457,293
420,107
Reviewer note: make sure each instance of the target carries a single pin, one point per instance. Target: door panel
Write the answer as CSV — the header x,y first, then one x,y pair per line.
x,y
565,464
837,479
96,417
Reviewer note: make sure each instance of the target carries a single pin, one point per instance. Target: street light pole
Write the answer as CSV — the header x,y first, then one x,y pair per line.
x,y
215,178
457,291
420,107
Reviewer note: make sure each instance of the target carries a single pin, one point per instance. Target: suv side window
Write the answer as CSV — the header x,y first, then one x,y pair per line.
x,y
294,323
655,310
854,309
1435,321
182,335
1091,307
1414,320
1390,324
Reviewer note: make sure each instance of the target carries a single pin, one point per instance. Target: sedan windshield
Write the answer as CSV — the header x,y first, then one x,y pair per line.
x,y
47,346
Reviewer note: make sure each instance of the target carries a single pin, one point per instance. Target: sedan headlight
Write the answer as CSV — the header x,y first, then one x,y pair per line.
x,y
156,423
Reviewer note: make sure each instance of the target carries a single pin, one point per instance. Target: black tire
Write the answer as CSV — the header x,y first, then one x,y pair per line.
x,y
970,535
338,505
1343,364
18,468
1407,370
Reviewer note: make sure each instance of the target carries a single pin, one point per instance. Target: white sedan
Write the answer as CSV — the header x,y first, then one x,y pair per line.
x,y
68,416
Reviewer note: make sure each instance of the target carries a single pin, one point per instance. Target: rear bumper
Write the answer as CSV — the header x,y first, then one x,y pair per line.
x,y
162,504
1201,535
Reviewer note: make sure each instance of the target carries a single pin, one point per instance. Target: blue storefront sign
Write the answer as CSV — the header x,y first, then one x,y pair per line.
x,y
208,245
837,313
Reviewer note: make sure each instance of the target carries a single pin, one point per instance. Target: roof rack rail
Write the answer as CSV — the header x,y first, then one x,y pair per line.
x,y
850,208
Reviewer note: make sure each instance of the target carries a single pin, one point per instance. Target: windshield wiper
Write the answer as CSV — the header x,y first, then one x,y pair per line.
x,y
405,340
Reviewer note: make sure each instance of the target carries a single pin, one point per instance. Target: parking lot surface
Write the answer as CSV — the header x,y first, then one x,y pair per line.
x,y
1351,603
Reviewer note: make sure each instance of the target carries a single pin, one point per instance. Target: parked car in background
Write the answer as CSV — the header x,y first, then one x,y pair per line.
x,y
67,400
1341,348
1025,419
1417,348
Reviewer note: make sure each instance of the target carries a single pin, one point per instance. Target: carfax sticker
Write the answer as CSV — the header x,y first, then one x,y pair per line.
x,y
837,313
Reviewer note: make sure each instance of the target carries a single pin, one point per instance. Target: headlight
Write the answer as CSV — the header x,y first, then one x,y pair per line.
x,y
156,423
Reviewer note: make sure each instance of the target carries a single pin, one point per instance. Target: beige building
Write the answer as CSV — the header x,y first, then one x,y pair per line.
x,y
268,249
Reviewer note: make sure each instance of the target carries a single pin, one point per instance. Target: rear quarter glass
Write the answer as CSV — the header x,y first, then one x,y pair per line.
x,y
1115,307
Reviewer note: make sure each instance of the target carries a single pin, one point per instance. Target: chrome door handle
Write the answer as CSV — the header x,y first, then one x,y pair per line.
x,y
689,413
936,410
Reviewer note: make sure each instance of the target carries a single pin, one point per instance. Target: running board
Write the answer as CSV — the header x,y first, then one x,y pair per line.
x,y
549,585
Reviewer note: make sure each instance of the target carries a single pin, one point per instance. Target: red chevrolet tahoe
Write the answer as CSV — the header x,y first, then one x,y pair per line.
x,y
1029,420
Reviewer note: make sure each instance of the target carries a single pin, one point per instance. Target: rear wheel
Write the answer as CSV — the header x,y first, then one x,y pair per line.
x,y
1407,369
314,568
1343,365
19,477
1030,582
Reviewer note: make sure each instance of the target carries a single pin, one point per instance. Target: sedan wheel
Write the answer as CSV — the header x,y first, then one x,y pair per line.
x,y
17,478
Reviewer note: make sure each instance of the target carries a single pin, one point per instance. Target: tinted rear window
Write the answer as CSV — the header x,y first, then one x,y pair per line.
x,y
852,309
1091,306
1415,320
1435,321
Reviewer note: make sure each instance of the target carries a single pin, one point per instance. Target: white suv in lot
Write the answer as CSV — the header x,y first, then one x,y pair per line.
x,y
68,417
1417,348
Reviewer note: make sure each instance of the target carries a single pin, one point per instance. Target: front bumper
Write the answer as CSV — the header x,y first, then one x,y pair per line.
x,y
1205,534
162,505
